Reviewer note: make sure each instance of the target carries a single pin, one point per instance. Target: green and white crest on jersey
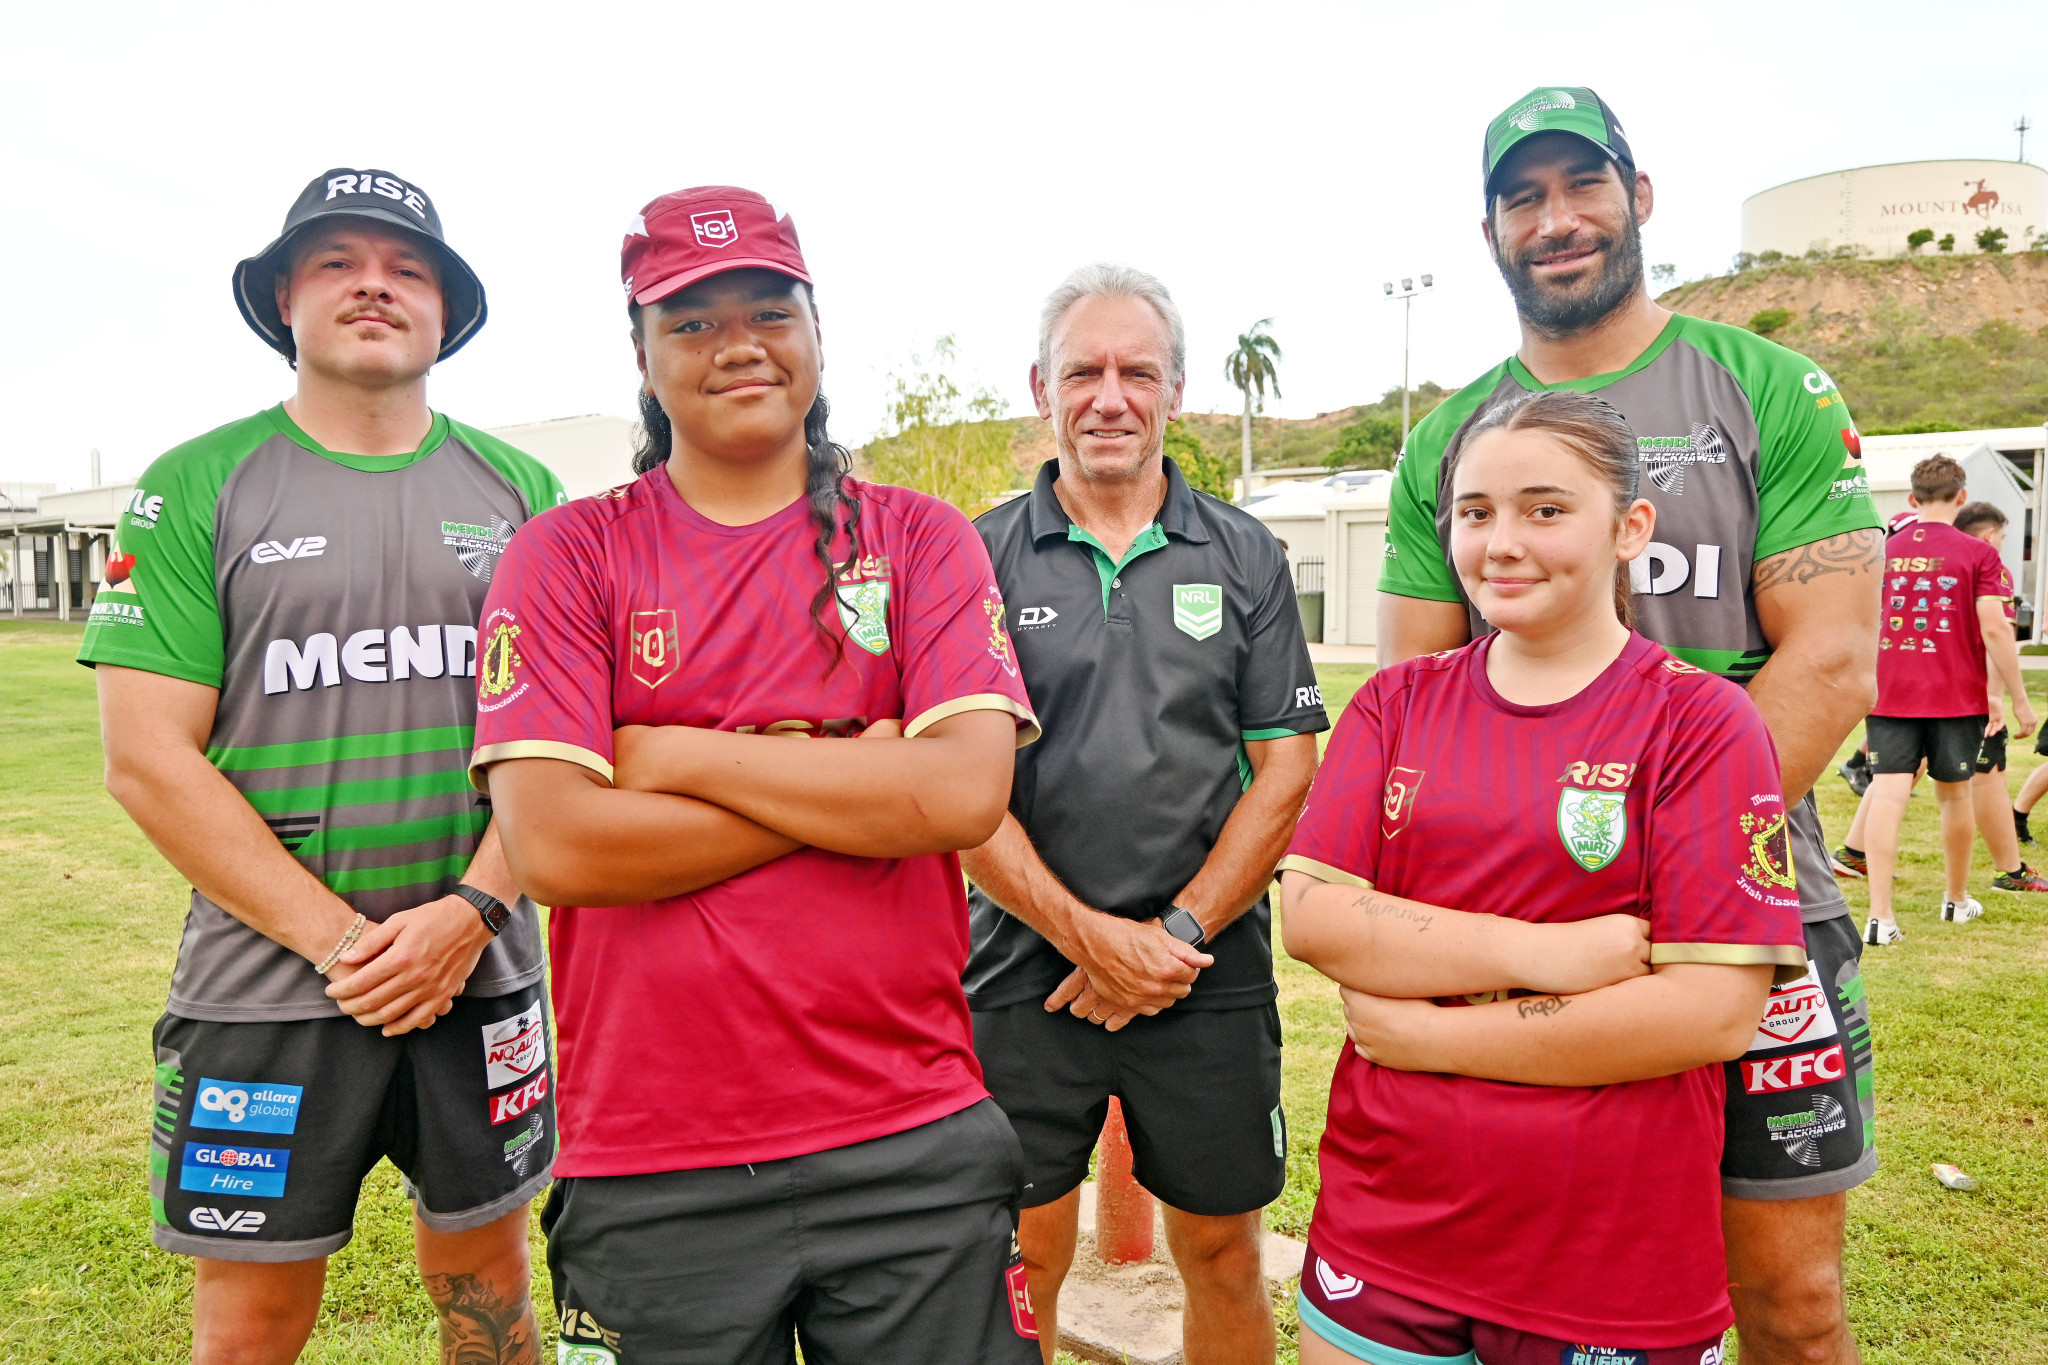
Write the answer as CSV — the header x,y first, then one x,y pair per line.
x,y
864,607
1198,608
571,1353
1593,825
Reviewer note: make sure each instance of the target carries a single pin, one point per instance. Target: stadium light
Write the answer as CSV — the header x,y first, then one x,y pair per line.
x,y
1407,296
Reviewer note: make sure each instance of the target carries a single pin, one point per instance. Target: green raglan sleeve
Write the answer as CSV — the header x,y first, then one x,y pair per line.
x,y
157,609
534,480
1810,479
1414,562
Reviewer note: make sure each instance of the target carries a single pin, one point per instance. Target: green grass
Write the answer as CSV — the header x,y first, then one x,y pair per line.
x,y
89,920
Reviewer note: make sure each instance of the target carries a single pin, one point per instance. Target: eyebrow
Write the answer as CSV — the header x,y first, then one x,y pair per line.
x,y
1539,490
767,291
1580,165
404,253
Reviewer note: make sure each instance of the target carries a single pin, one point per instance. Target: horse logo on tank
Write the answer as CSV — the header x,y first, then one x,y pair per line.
x,y
1593,825
655,653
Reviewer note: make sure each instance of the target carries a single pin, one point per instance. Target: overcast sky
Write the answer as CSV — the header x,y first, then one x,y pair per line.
x,y
945,164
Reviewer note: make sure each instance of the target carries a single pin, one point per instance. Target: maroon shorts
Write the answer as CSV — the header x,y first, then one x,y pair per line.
x,y
1386,1328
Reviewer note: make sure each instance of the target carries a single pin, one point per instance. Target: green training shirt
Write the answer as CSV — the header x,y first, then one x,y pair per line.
x,y
1747,451
332,599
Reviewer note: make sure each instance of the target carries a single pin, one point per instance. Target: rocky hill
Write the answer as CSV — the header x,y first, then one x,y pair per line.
x,y
1931,343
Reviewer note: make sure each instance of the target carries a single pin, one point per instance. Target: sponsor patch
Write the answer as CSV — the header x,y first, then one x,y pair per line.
x,y
1017,1287
1593,826
498,662
509,1106
1769,867
478,545
520,1148
1666,457
1602,1355
656,652
577,1323
1796,1012
715,228
514,1048
247,1106
1397,803
1794,1072
998,638
105,613
1198,609
257,1172
1800,1133
226,1220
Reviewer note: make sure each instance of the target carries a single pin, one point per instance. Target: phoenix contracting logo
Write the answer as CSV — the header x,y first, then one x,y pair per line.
x,y
1665,457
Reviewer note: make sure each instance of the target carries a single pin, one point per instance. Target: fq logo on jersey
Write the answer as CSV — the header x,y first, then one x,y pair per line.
x,y
258,1172
514,1049
250,1106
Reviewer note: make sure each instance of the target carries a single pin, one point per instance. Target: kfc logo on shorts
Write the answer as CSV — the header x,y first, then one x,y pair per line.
x,y
1398,802
514,1048
715,228
509,1106
1796,1072
1796,1013
1334,1283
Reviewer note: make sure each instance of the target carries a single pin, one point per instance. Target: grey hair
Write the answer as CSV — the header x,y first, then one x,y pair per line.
x,y
1116,282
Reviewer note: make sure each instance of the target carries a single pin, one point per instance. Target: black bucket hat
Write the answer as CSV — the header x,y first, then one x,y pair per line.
x,y
380,197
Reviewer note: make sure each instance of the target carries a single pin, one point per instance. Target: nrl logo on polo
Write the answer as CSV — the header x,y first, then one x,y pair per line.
x,y
1665,457
477,547
1198,608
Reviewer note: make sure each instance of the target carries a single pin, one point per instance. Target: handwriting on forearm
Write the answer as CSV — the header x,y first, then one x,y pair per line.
x,y
1383,907
1542,1005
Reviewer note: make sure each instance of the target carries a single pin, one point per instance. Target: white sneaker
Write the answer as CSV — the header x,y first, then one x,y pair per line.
x,y
1882,933
1962,911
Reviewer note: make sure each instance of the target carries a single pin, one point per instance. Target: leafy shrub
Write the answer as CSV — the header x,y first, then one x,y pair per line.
x,y
1947,242
1991,239
1770,320
1202,467
1918,238
1372,442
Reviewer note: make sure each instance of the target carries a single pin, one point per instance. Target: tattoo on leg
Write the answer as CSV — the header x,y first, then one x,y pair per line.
x,y
1377,905
1850,552
480,1325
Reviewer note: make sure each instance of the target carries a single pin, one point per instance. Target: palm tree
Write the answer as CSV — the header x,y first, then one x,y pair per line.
x,y
1252,367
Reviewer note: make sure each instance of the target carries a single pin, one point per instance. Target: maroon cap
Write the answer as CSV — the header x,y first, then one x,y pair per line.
x,y
683,237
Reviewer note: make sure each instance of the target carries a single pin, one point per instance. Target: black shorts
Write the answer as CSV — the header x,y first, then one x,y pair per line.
x,y
263,1132
1948,743
1991,754
900,1249
1801,1117
1200,1091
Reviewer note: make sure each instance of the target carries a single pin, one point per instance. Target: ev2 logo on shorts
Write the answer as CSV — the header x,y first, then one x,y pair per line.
x,y
234,1220
514,1048
250,1106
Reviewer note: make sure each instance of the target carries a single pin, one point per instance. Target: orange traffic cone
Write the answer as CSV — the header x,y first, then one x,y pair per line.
x,y
1123,1207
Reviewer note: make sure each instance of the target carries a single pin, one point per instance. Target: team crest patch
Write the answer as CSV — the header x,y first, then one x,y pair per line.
x,y
1198,608
1593,825
655,654
998,638
1770,851
864,608
1397,803
498,663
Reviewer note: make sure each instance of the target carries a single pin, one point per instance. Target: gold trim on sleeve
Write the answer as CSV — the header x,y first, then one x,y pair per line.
x,y
1322,872
1027,732
1788,958
483,758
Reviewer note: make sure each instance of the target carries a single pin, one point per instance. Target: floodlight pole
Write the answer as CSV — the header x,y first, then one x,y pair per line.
x,y
1407,295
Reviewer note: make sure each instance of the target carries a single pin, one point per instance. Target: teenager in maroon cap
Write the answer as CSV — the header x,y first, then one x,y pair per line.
x,y
736,718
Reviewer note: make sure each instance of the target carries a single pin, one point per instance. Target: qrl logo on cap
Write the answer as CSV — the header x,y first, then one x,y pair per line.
x,y
715,228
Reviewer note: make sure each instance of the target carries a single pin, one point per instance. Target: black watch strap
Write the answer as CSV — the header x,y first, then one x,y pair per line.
x,y
1183,925
496,913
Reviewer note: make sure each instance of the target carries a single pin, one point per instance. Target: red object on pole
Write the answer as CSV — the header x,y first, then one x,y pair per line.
x,y
1123,1207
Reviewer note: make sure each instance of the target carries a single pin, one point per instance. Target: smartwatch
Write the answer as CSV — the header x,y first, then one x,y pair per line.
x,y
496,914
1183,925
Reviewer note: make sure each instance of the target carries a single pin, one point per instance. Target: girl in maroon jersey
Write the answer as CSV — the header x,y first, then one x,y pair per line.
x,y
1524,1142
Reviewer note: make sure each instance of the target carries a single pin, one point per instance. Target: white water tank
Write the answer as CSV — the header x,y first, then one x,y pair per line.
x,y
1875,207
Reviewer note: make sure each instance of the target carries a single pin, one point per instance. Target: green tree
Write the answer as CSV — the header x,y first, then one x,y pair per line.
x,y
1253,366
1991,239
1203,468
1769,321
1947,242
1371,442
1918,238
946,441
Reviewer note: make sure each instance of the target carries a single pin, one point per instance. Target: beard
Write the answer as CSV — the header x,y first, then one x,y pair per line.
x,y
1558,311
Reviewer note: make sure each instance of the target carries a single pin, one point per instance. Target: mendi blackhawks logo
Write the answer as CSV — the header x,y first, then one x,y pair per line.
x,y
1593,825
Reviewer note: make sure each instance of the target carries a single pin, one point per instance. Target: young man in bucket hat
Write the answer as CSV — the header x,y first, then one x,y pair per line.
x,y
1765,570
739,716
285,647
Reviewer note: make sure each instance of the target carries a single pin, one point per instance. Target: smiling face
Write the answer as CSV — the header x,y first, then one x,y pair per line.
x,y
1534,533
1112,390
734,360
363,303
1566,232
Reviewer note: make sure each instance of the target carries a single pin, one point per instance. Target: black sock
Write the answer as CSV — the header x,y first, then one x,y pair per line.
x,y
1852,852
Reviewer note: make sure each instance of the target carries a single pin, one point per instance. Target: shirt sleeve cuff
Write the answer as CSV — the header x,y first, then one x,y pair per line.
x,y
483,758
1428,592
1323,872
1292,728
1788,958
1027,724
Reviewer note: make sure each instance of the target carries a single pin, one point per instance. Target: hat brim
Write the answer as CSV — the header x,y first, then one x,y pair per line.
x,y
464,307
654,293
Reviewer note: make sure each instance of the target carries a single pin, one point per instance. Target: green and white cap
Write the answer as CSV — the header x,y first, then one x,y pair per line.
x,y
1554,109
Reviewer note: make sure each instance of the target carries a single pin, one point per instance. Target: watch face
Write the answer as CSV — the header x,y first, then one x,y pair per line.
x,y
498,916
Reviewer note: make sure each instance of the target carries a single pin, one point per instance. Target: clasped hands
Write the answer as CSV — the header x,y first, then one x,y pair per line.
x,y
1126,968
405,972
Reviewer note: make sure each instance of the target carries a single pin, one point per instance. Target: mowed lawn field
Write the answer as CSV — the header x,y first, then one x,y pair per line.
x,y
89,920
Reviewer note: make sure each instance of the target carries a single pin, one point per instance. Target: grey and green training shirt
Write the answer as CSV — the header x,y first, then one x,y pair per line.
x,y
332,599
1747,451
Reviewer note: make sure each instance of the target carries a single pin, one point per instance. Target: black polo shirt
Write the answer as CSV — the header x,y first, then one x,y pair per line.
x,y
1148,674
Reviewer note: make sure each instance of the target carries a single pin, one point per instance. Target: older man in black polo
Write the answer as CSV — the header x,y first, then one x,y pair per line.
x,y
1121,938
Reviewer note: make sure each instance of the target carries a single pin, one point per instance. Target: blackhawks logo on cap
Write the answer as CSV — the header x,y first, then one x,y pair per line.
x,y
1593,825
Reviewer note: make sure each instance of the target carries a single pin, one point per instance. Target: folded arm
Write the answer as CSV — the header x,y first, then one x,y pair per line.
x,y
1385,945
1683,1015
1818,607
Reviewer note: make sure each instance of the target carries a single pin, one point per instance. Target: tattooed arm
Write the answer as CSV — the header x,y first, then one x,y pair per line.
x,y
1370,941
1818,605
1683,1015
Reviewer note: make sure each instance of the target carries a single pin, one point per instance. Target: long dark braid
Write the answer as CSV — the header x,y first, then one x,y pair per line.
x,y
825,490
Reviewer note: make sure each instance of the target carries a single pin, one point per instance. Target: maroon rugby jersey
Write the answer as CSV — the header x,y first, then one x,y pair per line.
x,y
811,1002
1584,1213
1930,652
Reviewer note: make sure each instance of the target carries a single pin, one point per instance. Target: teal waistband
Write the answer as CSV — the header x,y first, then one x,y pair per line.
x,y
1365,1348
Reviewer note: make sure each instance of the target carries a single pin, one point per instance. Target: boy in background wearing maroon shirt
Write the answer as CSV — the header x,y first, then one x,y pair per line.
x,y
1945,616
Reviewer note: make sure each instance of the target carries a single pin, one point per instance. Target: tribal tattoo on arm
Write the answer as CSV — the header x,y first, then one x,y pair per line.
x,y
482,1325
1851,552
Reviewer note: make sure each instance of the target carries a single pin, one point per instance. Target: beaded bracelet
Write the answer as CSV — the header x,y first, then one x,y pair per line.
x,y
348,941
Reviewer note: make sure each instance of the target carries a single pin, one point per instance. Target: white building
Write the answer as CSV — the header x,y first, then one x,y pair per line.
x,y
1875,207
